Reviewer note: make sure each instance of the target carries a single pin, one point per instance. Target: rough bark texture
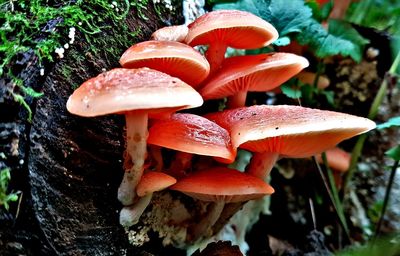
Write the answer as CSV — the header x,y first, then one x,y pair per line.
x,y
71,166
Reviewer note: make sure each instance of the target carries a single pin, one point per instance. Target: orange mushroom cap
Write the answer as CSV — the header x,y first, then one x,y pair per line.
x,y
171,33
221,184
237,29
291,131
121,90
173,58
193,134
309,77
154,181
258,73
338,159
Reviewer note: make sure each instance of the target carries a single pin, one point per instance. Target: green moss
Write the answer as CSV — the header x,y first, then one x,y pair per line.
x,y
5,196
44,27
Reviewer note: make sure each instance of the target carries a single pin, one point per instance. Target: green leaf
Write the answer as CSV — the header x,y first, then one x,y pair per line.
x,y
282,41
394,121
344,32
320,13
329,96
290,91
307,92
295,20
286,18
12,197
326,10
340,39
394,153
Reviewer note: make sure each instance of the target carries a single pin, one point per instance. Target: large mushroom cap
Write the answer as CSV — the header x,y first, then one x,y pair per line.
x,y
237,29
291,131
192,134
121,90
221,184
258,73
173,58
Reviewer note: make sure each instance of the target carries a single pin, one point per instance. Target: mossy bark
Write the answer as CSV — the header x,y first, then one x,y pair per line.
x,y
68,167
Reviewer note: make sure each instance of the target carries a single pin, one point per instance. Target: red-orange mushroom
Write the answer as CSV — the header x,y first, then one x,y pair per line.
x,y
191,134
287,131
256,73
150,183
337,158
136,93
154,181
220,185
173,58
236,29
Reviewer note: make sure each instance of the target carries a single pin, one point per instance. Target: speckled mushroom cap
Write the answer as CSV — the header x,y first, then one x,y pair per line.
x,y
192,134
237,29
291,131
121,90
173,58
257,73
221,184
154,181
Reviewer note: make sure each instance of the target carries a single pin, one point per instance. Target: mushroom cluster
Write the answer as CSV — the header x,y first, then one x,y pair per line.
x,y
166,74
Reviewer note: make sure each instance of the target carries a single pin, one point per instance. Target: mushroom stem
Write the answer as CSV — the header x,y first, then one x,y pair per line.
x,y
130,215
201,228
215,55
238,100
229,210
181,164
136,137
261,164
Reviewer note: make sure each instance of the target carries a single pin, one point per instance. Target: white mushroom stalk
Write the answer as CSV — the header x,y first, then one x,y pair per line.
x,y
136,151
130,215
203,227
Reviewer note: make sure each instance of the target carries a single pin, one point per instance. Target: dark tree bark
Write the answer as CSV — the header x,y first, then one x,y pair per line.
x,y
68,167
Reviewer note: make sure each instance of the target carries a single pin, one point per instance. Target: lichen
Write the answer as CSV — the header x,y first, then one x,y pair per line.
x,y
168,218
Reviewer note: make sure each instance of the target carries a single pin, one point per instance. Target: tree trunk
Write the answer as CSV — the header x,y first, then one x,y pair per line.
x,y
67,167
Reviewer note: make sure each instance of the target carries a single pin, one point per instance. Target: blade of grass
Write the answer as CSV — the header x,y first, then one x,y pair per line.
x,y
386,198
336,203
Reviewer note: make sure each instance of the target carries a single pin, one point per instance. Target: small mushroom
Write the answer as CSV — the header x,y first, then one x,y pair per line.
x,y
138,94
220,185
256,73
307,77
191,134
338,159
150,183
236,29
171,33
173,58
